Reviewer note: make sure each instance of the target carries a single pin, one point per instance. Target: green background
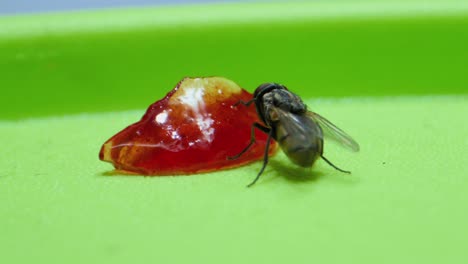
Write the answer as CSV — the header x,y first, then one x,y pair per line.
x,y
393,75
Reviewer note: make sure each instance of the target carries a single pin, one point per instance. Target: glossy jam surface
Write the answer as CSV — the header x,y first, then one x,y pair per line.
x,y
193,129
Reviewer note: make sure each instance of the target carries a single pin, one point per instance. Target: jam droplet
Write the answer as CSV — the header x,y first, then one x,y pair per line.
x,y
193,129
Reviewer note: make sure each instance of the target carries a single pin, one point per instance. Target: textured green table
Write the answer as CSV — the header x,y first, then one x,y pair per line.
x,y
392,75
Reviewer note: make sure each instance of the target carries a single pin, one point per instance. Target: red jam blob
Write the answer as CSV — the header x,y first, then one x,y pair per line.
x,y
193,129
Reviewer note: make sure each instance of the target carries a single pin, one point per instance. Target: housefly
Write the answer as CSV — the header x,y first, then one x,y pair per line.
x,y
299,132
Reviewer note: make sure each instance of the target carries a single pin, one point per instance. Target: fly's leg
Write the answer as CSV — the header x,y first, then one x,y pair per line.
x,y
244,103
331,164
252,139
265,158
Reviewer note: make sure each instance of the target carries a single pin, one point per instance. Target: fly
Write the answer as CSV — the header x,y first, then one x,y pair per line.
x,y
298,131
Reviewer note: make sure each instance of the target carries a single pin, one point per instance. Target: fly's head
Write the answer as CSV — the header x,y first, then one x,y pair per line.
x,y
270,96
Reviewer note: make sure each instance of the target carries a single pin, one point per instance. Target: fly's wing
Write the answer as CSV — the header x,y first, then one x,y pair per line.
x,y
333,132
301,126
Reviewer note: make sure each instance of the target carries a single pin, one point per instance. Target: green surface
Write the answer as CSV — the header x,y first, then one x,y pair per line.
x,y
405,201
393,75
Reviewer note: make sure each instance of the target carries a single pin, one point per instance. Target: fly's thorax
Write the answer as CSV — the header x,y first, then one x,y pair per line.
x,y
285,100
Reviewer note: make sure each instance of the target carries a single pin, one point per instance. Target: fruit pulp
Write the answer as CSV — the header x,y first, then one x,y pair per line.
x,y
193,129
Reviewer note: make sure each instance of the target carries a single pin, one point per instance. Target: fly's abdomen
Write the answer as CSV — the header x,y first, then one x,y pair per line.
x,y
302,154
301,147
300,139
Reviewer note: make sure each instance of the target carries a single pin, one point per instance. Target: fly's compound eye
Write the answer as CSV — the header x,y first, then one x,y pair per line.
x,y
265,88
